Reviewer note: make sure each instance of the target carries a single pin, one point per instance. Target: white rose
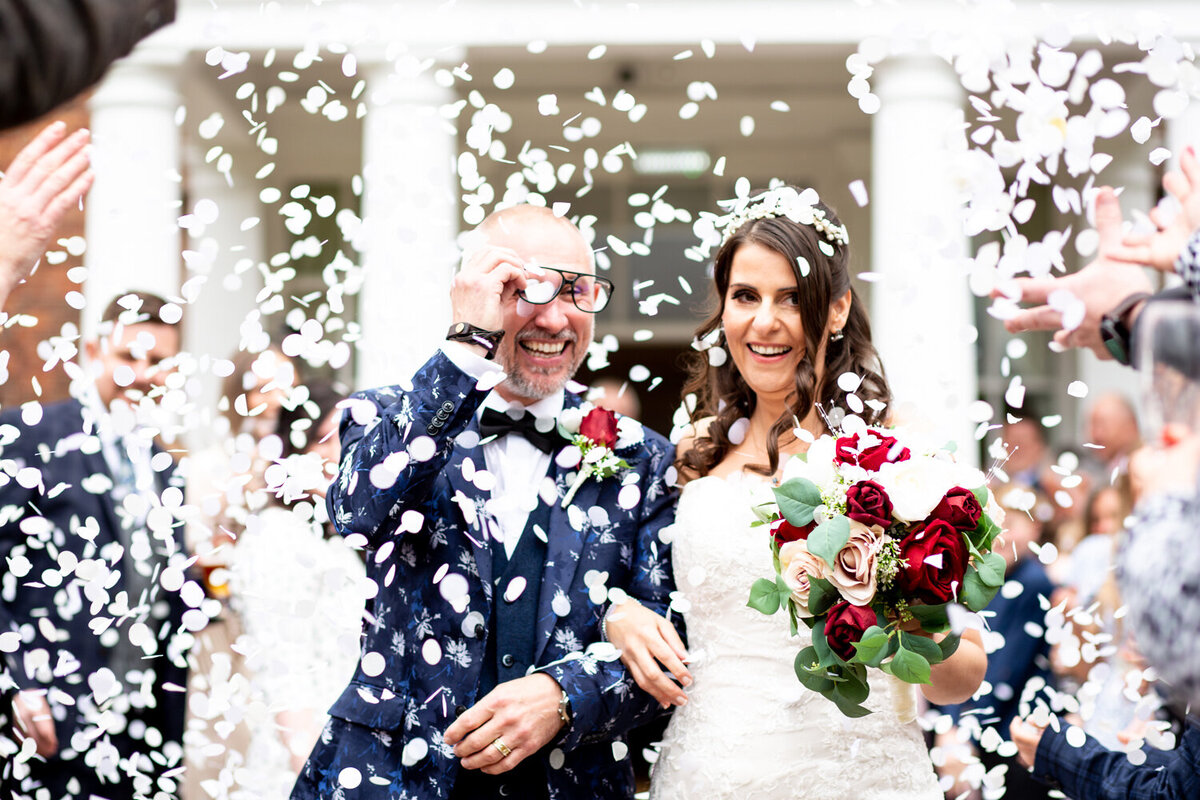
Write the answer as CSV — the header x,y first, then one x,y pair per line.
x,y
917,485
797,565
570,420
817,466
854,568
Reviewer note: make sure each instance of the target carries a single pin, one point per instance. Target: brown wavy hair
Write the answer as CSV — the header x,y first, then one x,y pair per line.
x,y
722,393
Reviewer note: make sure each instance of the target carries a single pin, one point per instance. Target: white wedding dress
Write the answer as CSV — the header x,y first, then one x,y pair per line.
x,y
749,729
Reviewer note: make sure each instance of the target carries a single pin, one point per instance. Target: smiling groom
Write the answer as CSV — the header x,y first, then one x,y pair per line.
x,y
482,672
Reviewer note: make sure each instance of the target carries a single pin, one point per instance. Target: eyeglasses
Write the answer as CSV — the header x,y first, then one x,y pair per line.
x,y
589,293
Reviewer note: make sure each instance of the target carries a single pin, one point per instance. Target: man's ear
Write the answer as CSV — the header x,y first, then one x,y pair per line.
x,y
92,348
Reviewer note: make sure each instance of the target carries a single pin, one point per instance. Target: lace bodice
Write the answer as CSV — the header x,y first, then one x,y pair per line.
x,y
749,728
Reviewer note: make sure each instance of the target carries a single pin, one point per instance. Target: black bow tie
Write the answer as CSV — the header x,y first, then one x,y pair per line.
x,y
497,423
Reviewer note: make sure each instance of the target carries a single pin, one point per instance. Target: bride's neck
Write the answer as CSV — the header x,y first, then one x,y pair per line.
x,y
765,415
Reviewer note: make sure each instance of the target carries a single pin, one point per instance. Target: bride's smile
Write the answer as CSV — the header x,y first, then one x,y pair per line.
x,y
763,327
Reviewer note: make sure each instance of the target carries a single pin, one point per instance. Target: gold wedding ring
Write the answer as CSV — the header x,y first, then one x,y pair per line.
x,y
501,746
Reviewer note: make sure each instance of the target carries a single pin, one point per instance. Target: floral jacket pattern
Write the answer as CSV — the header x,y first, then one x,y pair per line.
x,y
423,646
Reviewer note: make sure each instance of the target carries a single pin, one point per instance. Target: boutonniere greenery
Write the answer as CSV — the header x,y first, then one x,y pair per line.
x,y
595,435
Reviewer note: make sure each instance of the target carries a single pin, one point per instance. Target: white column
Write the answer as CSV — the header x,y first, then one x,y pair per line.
x,y
410,220
1184,129
922,309
221,260
132,210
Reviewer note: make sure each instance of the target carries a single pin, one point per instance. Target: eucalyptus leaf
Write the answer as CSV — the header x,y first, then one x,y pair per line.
x,y
991,569
797,499
821,595
933,619
854,688
909,666
923,646
825,656
848,708
814,679
872,646
949,645
974,593
764,596
828,538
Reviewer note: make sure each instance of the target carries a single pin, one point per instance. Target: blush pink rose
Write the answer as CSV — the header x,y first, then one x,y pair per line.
x,y
798,567
853,570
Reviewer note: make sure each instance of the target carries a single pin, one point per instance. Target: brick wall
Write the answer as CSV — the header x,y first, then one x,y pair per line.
x,y
42,296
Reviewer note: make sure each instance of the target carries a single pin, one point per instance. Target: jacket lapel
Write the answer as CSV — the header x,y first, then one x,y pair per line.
x,y
96,464
478,527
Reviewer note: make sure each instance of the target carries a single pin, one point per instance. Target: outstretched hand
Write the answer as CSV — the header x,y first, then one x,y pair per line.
x,y
31,715
648,645
1161,248
1026,735
44,181
1100,287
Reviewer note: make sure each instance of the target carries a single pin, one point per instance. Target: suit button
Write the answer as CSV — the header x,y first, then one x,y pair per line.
x,y
447,407
460,710
507,660
480,630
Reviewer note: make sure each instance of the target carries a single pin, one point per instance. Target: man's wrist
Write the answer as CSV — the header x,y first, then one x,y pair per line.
x,y
481,340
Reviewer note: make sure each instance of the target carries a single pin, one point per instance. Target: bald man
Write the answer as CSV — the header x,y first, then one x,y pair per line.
x,y
1113,426
483,673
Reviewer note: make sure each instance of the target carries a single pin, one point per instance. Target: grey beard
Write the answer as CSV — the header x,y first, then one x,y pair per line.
x,y
518,383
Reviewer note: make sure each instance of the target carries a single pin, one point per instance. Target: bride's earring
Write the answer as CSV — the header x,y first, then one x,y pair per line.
x,y
837,336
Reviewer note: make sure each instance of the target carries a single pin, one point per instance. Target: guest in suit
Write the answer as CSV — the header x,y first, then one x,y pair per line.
x,y
483,672
91,569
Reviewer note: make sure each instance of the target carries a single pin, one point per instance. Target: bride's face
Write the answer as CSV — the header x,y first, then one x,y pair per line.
x,y
762,320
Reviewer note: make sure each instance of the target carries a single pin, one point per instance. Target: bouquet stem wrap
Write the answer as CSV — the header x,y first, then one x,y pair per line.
x,y
904,700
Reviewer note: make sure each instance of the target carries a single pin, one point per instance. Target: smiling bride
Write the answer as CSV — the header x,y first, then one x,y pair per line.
x,y
789,323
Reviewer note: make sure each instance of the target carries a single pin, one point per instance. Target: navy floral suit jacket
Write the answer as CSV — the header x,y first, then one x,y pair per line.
x,y
423,648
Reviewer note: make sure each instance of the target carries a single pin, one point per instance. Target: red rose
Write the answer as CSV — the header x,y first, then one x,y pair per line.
x,y
868,503
600,425
960,508
869,458
845,626
784,531
924,578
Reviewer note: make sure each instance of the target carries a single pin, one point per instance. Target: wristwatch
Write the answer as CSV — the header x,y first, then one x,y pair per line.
x,y
1114,327
564,708
470,334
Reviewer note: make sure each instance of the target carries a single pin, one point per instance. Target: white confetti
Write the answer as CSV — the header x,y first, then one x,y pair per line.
x,y
504,79
373,664
515,588
350,778
1077,389
414,751
858,190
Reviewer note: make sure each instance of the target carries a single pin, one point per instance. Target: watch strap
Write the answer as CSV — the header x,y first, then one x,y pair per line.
x,y
467,333
1115,329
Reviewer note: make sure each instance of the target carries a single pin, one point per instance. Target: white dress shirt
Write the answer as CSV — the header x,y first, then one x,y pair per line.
x,y
518,467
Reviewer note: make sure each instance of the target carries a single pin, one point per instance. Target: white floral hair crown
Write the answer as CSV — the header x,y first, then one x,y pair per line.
x,y
800,206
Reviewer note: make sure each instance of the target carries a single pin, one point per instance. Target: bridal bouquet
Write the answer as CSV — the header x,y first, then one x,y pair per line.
x,y
873,538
